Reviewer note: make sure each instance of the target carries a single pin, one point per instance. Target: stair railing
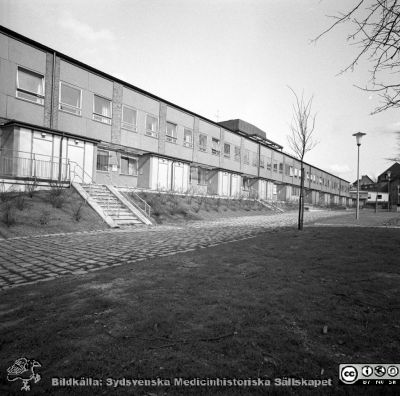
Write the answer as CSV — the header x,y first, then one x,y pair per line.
x,y
146,206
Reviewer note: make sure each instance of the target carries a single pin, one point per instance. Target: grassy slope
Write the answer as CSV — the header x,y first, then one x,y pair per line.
x,y
250,309
169,208
39,216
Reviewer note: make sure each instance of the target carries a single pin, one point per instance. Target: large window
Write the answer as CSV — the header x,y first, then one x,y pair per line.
x,y
201,176
202,142
227,150
215,146
187,137
70,99
151,125
102,160
129,166
129,117
245,183
30,86
171,132
102,109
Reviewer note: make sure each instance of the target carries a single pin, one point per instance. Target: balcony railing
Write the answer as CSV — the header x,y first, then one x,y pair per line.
x,y
22,164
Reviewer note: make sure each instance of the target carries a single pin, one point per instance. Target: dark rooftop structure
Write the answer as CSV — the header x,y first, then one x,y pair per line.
x,y
241,126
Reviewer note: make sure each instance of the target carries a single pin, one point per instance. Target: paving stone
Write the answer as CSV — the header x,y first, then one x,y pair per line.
x,y
31,259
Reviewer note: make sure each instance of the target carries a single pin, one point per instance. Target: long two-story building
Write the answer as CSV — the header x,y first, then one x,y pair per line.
x,y
63,120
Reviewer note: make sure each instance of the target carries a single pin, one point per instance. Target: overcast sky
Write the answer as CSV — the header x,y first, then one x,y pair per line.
x,y
227,59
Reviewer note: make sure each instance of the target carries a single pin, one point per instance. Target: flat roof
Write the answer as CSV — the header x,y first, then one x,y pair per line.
x,y
38,45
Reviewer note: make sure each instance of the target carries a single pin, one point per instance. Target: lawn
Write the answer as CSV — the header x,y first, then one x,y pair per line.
x,y
283,304
50,211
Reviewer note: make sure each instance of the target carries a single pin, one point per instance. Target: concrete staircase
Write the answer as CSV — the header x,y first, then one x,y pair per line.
x,y
113,208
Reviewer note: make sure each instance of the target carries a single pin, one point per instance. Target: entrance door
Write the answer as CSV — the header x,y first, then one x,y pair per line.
x,y
225,184
162,182
178,177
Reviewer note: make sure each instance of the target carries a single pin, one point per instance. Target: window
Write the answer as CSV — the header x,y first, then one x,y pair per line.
x,y
187,137
215,146
291,172
269,164
255,159
237,153
227,150
246,157
262,161
128,166
151,125
102,160
101,109
280,167
129,117
202,142
245,183
201,176
70,99
295,191
30,86
172,132
275,167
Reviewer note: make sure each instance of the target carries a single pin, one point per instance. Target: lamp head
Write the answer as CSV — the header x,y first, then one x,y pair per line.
x,y
358,136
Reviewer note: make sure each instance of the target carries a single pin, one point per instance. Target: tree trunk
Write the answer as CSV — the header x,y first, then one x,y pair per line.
x,y
301,200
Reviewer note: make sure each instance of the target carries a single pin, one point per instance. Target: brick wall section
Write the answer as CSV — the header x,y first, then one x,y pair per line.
x,y
48,86
162,124
116,113
195,139
51,93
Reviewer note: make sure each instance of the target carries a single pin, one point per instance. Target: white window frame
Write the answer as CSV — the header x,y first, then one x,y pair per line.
x,y
99,117
108,162
201,146
227,154
215,146
127,125
67,108
185,133
168,137
36,98
152,132
129,158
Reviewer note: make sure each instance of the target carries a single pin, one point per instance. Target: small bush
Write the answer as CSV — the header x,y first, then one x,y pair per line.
x,y
57,195
44,217
77,210
30,188
8,213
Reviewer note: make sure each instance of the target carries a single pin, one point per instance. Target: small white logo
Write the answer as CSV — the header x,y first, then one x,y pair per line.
x,y
24,369
380,371
348,374
393,371
367,371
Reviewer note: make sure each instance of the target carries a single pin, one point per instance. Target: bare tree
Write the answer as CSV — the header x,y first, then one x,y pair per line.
x,y
376,32
301,140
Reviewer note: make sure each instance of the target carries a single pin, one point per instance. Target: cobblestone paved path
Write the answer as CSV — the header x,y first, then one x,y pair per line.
x,y
32,259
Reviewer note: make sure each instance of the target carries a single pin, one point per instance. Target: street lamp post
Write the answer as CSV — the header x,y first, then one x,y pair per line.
x,y
388,173
358,136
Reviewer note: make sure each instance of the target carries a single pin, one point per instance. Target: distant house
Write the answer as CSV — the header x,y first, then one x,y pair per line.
x,y
389,181
366,183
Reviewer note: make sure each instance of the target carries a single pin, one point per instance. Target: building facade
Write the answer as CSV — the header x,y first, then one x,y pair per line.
x,y
63,120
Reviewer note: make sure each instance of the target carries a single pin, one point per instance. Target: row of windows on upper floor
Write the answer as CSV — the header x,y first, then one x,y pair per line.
x,y
30,86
